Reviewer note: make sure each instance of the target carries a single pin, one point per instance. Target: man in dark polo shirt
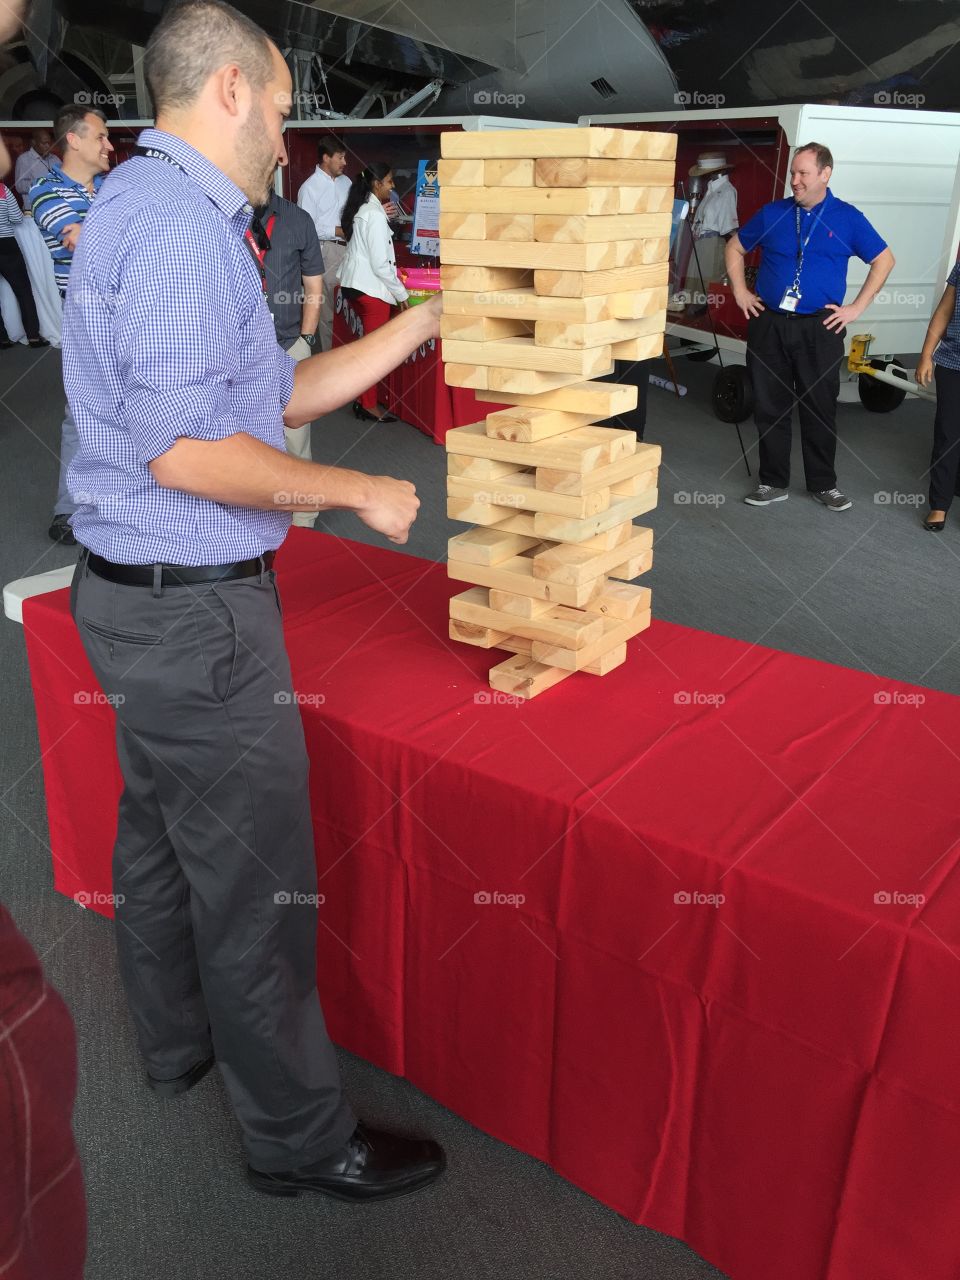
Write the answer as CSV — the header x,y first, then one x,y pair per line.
x,y
292,268
797,321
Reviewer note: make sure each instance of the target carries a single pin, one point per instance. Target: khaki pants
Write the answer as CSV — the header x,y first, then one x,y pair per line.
x,y
298,446
333,254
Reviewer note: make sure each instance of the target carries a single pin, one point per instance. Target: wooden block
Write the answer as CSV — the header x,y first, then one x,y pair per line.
x,y
486,328
520,382
509,173
620,600
515,576
612,659
507,520
585,284
598,399
547,333
527,426
520,493
551,227
632,306
578,565
633,485
465,375
488,546
480,468
521,606
556,256
633,567
644,460
616,632
579,172
560,529
570,628
563,201
523,353
482,637
579,449
486,226
605,541
573,141
524,678
472,279
639,348
527,305
460,173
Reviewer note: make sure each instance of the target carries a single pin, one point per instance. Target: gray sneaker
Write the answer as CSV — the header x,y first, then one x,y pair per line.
x,y
832,499
764,494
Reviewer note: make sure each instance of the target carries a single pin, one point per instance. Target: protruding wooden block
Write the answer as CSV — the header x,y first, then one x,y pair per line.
x,y
557,256
530,425
519,492
579,565
460,173
585,284
639,348
634,485
481,637
609,661
579,172
480,468
506,519
465,375
486,226
515,576
475,279
559,529
633,306
573,141
488,546
521,382
553,228
484,328
598,399
523,353
616,632
571,628
547,333
580,449
644,461
620,600
524,678
521,606
633,567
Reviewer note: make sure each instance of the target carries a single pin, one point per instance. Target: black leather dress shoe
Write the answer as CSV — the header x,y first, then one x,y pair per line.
x,y
371,1165
181,1084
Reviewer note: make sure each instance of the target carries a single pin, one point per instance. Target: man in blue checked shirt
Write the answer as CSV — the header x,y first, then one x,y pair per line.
x,y
60,202
797,319
180,394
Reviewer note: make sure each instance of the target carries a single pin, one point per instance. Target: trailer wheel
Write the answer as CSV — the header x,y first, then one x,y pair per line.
x,y
733,394
880,397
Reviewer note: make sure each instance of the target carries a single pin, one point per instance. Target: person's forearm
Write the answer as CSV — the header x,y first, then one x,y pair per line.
x,y
880,268
244,472
331,379
936,329
310,316
733,260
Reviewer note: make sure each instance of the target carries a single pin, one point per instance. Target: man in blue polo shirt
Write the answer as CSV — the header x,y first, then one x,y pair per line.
x,y
797,321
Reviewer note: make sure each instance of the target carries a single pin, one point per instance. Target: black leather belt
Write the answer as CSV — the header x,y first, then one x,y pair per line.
x,y
177,575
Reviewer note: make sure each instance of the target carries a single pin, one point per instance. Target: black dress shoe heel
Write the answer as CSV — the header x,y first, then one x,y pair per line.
x,y
366,416
180,1084
935,526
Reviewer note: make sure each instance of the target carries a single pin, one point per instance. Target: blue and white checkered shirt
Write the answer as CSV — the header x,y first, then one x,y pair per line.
x,y
166,333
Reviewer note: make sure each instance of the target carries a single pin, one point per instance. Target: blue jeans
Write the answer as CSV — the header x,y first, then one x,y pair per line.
x,y
69,444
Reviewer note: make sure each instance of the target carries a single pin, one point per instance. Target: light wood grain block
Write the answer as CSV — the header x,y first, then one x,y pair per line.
x,y
579,172
507,520
515,576
571,628
643,461
510,384
523,678
460,173
620,600
631,306
598,399
639,348
552,228
480,637
508,254
605,541
588,564
608,662
579,448
634,485
617,631
476,279
519,492
488,546
518,605
486,226
562,201
560,529
523,353
509,172
465,375
527,305
585,284
485,328
633,567
528,426
479,468
574,141
547,333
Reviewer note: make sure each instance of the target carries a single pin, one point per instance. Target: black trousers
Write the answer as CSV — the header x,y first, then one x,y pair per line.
x,y
214,868
945,459
635,373
14,271
795,360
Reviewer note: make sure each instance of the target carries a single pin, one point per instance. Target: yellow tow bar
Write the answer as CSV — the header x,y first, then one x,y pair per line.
x,y
893,375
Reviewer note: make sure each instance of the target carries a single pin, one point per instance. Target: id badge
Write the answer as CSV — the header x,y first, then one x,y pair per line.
x,y
789,300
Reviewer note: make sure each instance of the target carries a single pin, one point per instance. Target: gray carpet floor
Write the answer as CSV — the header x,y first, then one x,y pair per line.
x,y
865,588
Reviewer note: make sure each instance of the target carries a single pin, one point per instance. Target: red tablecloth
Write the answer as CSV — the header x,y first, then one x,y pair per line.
x,y
774,1078
416,391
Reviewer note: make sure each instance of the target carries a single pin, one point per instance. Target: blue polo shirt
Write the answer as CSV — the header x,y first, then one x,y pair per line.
x,y
837,231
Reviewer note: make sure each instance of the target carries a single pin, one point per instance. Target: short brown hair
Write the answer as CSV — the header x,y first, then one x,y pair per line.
x,y
70,119
193,40
330,146
823,155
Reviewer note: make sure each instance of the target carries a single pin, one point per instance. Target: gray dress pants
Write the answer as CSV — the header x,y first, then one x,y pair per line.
x,y
214,866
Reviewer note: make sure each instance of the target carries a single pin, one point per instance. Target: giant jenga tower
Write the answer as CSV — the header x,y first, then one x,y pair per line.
x,y
554,247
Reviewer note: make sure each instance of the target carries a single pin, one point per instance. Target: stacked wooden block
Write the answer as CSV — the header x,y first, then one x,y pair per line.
x,y
553,250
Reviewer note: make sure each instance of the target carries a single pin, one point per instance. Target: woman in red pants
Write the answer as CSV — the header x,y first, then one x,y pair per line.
x,y
368,274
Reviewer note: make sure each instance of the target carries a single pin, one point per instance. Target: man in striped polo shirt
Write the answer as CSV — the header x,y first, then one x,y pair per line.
x,y
59,202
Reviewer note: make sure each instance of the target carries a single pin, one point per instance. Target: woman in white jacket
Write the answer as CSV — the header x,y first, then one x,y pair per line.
x,y
368,274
